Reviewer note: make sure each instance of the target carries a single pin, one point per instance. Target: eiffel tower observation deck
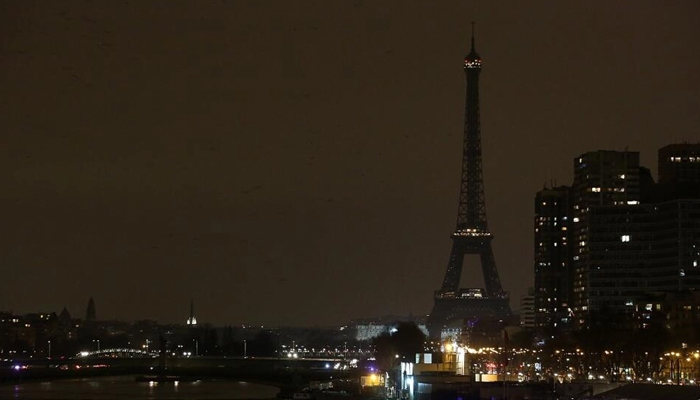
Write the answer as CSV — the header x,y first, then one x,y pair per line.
x,y
457,307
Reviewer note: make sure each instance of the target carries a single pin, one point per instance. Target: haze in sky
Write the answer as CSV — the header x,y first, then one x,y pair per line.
x,y
298,163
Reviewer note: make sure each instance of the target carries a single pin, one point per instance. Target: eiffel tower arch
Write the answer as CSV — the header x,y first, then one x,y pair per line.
x,y
454,305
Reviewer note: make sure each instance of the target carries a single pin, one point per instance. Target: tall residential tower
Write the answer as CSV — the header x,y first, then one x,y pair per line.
x,y
601,178
552,249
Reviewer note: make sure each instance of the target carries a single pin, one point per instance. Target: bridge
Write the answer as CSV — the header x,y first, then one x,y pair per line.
x,y
281,372
118,353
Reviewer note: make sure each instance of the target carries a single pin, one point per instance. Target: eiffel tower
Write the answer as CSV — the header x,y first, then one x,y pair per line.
x,y
454,305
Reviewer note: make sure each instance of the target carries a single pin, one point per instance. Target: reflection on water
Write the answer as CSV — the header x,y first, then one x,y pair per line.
x,y
125,387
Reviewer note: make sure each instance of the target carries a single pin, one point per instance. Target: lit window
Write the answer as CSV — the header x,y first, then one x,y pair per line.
x,y
595,189
632,202
625,238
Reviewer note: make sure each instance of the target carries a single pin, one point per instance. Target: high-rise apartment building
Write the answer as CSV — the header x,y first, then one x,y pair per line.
x,y
624,236
552,249
679,163
527,310
601,178
617,263
639,249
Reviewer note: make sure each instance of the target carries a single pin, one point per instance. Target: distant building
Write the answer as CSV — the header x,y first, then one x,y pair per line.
x,y
91,313
679,174
370,328
369,331
65,326
527,310
25,335
678,312
679,163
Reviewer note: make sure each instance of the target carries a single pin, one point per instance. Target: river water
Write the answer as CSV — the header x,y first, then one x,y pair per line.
x,y
126,387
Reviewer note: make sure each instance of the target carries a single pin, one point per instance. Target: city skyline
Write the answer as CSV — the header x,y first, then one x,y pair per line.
x,y
298,164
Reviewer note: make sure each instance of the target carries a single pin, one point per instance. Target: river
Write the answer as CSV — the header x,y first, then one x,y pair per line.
x,y
126,387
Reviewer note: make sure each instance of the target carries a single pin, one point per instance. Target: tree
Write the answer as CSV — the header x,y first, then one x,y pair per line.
x,y
263,345
405,341
409,339
647,343
385,351
522,339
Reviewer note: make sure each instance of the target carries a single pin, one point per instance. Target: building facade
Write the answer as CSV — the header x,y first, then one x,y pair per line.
x,y
601,178
527,310
552,251
619,237
679,163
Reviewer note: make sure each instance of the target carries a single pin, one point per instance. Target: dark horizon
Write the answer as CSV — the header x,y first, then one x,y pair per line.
x,y
298,164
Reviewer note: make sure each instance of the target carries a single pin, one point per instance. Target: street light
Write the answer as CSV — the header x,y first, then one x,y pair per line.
x,y
98,344
49,349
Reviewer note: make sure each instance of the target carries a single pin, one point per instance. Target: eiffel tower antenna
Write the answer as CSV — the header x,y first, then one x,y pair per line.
x,y
473,23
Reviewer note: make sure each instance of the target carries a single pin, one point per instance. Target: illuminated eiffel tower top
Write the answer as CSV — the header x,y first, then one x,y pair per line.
x,y
471,213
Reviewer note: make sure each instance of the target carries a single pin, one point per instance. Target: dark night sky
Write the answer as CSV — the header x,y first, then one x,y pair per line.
x,y
298,162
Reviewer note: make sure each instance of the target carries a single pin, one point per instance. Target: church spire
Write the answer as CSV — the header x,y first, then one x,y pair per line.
x,y
91,314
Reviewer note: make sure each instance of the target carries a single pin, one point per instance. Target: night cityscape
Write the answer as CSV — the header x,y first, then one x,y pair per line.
x,y
256,200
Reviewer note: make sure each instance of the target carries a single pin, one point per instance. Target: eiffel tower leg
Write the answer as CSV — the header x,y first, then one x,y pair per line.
x,y
488,267
453,275
435,322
